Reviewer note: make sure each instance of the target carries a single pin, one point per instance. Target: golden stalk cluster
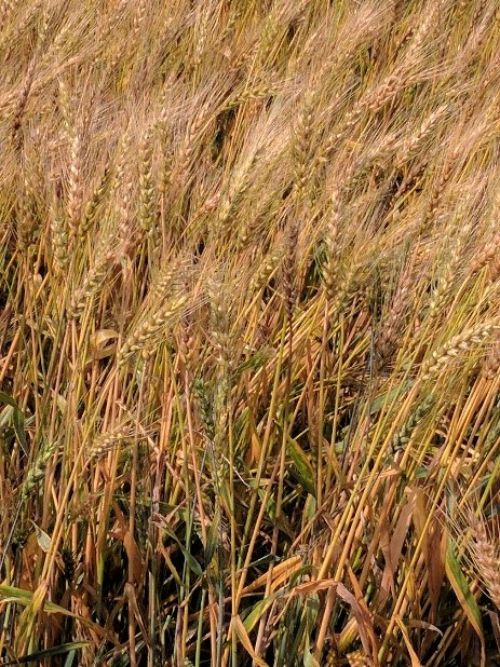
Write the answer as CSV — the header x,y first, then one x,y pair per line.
x,y
249,332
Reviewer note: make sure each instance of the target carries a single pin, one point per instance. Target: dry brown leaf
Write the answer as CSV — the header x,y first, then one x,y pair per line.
x,y
245,641
415,662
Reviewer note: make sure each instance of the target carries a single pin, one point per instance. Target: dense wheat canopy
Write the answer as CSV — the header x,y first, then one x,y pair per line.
x,y
249,332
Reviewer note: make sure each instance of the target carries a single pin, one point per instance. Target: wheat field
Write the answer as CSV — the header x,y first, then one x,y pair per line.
x,y
250,333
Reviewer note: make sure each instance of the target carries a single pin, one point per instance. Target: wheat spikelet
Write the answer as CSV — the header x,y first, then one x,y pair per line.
x,y
266,268
147,205
491,362
24,217
290,269
486,556
432,11
36,472
394,322
205,407
459,344
411,145
332,245
122,160
6,9
22,100
437,192
147,330
372,100
402,438
445,282
487,256
187,147
236,190
358,659
350,281
490,253
167,280
95,277
74,186
139,16
90,209
302,143
254,94
65,107
201,36
479,29
110,440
